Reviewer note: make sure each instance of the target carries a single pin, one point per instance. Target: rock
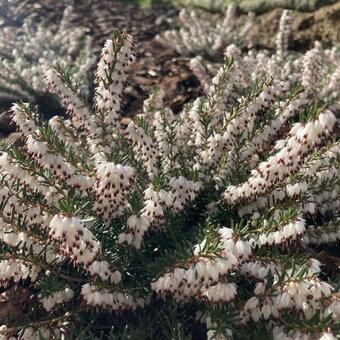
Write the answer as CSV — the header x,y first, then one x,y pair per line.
x,y
323,25
261,6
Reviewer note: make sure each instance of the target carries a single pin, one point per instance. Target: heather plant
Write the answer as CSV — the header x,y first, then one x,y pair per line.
x,y
256,6
27,51
209,5
281,64
201,34
175,226
260,6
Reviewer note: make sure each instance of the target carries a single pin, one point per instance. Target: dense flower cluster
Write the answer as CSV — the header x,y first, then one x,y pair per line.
x,y
211,5
256,6
216,208
205,36
317,70
29,50
49,302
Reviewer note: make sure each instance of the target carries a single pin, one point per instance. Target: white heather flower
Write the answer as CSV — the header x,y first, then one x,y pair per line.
x,y
34,46
327,336
112,186
144,148
311,69
283,34
259,289
77,242
283,300
334,309
266,311
251,304
17,270
55,298
222,292
95,297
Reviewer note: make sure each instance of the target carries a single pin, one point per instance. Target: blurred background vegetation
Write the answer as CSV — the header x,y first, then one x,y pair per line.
x,y
257,6
147,3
